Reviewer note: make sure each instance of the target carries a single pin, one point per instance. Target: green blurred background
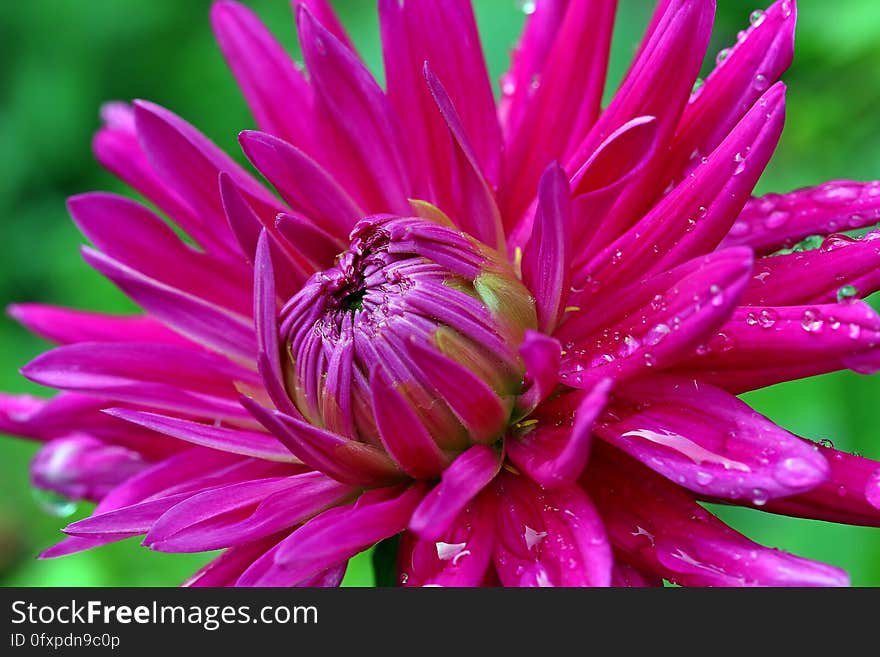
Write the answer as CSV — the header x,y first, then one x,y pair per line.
x,y
60,59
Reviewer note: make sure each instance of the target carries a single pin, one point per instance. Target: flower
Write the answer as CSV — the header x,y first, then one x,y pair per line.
x,y
511,335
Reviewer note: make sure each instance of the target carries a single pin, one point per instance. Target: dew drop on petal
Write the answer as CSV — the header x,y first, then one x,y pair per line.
x,y
760,82
759,497
756,17
827,443
53,503
528,7
872,490
847,292
722,55
704,478
656,334
811,321
796,472
767,318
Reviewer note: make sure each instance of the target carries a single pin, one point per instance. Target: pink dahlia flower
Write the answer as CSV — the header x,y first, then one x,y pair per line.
x,y
511,333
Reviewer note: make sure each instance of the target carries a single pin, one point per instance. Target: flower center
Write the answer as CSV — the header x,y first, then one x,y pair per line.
x,y
403,282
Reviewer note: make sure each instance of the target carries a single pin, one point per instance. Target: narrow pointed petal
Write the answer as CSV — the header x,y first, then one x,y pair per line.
x,y
265,323
302,182
265,73
779,221
546,256
548,538
474,403
461,558
541,356
553,450
416,33
709,441
660,528
190,164
658,84
358,115
80,467
655,323
848,495
228,567
347,461
474,202
70,325
342,532
201,321
243,512
696,215
128,232
405,438
753,64
569,85
234,441
841,265
759,347
160,375
323,12
470,473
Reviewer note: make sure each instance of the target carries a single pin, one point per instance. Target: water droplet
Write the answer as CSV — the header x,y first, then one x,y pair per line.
x,y
615,258
786,9
528,7
854,331
872,490
702,211
740,161
698,83
811,321
656,334
834,192
650,360
450,551
722,55
54,503
756,17
759,497
826,442
847,293
532,537
717,295
704,478
760,82
797,472
776,218
739,228
629,346
767,318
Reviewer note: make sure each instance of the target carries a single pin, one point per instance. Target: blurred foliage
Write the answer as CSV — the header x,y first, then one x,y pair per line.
x,y
60,59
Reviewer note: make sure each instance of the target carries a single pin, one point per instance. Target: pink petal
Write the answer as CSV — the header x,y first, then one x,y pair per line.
x,y
302,182
709,441
568,86
541,356
753,64
652,324
553,446
347,461
234,441
264,72
370,157
548,538
243,512
201,321
70,325
473,201
758,347
469,473
405,438
660,528
342,532
546,256
778,221
228,567
461,558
